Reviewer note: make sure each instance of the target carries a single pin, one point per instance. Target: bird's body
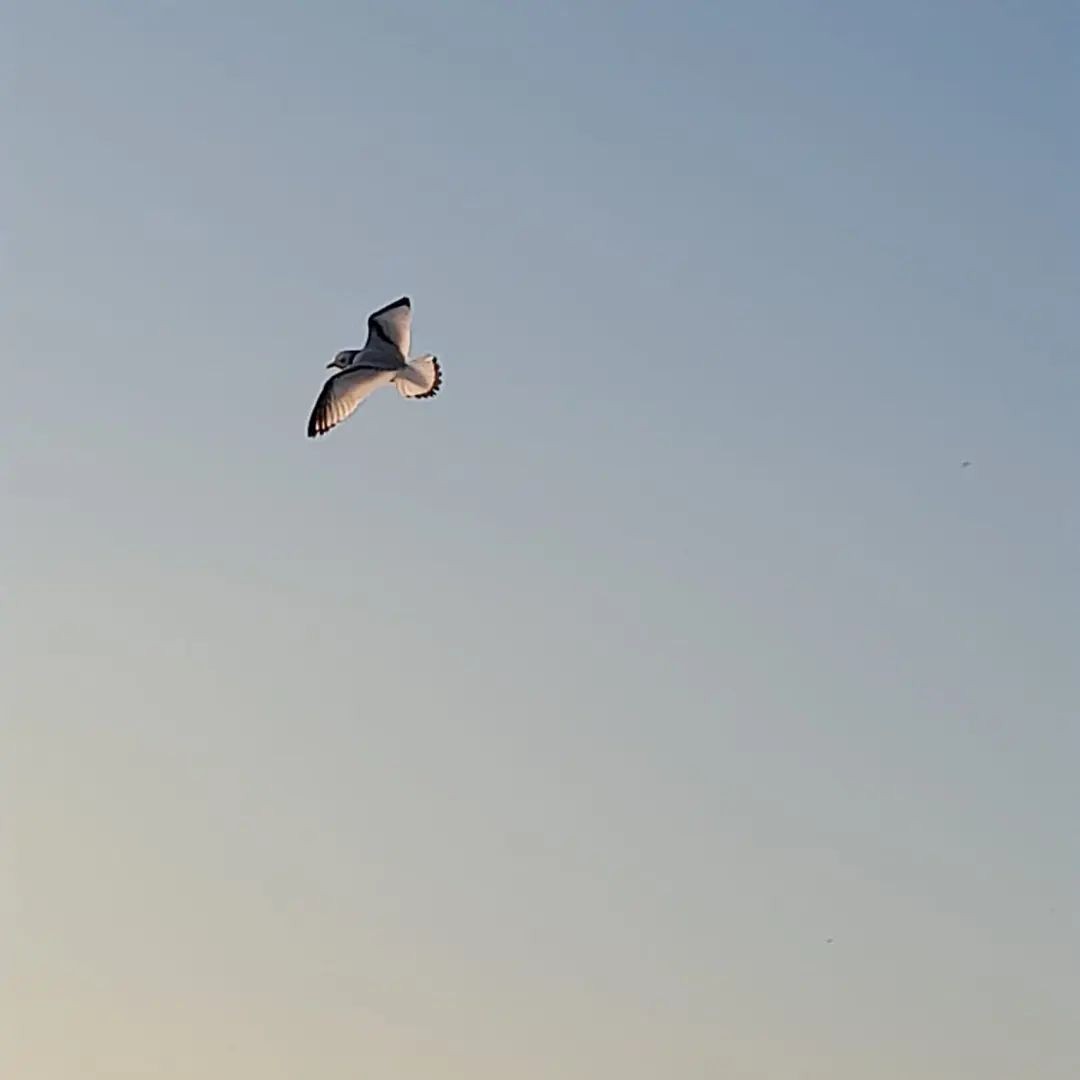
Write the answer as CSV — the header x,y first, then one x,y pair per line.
x,y
383,360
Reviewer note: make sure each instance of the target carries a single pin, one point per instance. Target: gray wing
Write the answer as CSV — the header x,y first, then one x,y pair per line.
x,y
390,329
342,395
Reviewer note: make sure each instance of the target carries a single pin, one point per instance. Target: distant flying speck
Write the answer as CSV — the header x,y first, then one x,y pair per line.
x,y
384,359
965,464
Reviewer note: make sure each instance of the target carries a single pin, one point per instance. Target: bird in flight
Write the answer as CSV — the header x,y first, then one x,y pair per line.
x,y
383,360
965,464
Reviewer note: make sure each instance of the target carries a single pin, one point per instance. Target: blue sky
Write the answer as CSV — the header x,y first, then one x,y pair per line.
x,y
553,726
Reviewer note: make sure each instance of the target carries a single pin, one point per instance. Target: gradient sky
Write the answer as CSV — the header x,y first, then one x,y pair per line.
x,y
553,727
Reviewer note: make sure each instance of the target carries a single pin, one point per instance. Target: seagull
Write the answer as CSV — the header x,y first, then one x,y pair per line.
x,y
384,359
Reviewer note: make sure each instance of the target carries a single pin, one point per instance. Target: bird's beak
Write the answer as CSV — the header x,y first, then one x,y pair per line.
x,y
333,363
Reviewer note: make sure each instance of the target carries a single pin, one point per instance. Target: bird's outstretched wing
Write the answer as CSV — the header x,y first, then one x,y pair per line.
x,y
342,394
391,326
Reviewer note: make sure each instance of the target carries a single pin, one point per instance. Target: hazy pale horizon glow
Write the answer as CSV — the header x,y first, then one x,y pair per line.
x,y
662,699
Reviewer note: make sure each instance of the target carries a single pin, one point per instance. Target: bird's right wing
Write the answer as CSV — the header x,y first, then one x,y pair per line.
x,y
391,327
342,396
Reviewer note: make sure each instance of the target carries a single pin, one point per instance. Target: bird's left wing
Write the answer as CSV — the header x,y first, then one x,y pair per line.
x,y
391,326
342,394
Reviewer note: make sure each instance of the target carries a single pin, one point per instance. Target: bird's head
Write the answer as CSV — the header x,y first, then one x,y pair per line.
x,y
343,359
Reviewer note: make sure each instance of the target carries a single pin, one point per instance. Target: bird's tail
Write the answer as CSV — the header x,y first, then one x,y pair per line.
x,y
419,378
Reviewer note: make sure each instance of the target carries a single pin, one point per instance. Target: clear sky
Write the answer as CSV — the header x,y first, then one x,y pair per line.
x,y
661,700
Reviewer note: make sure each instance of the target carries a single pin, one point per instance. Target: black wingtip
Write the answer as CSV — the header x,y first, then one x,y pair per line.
x,y
401,301
317,424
